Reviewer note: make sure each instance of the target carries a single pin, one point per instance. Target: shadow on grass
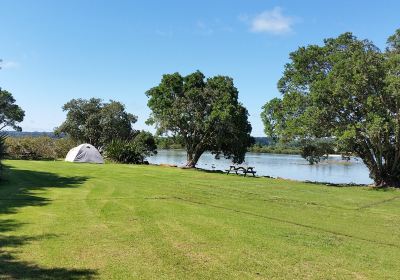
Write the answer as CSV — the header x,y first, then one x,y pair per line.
x,y
21,188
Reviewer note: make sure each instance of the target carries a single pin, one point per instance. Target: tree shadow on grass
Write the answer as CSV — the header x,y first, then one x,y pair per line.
x,y
21,188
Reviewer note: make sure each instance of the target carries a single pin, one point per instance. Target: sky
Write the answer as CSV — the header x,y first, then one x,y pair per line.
x,y
54,51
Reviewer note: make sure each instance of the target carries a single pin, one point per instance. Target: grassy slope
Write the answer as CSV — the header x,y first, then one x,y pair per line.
x,y
70,221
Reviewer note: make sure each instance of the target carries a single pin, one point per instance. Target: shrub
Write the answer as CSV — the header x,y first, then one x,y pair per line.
x,y
131,151
38,147
63,145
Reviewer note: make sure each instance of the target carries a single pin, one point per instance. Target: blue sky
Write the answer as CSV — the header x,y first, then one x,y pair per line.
x,y
54,51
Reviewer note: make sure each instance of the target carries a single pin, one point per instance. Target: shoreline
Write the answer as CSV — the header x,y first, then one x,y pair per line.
x,y
329,184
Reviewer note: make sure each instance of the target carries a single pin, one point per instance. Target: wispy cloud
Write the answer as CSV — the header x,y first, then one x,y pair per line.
x,y
165,33
9,64
204,28
269,21
213,26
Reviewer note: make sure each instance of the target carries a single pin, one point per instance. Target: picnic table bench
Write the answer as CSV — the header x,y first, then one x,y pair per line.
x,y
244,170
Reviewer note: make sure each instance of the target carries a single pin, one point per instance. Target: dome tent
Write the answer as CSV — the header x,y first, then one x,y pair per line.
x,y
84,153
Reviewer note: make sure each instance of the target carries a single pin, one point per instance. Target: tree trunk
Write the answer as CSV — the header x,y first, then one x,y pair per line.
x,y
193,158
387,181
383,177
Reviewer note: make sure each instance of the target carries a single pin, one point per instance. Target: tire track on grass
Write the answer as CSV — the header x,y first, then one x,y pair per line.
x,y
287,222
370,205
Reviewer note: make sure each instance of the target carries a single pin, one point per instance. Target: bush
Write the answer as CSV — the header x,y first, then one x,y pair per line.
x,y
63,145
38,147
131,151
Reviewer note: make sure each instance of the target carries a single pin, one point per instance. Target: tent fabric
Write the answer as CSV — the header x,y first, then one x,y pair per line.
x,y
84,153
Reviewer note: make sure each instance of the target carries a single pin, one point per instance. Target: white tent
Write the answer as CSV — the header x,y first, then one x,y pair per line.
x,y
84,153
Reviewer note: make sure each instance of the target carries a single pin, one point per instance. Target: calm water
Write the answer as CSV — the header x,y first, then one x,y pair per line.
x,y
294,167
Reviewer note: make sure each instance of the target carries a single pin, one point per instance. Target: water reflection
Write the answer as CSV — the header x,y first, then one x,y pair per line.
x,y
335,170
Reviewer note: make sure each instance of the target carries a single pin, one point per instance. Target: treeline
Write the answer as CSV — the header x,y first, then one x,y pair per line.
x,y
261,145
275,149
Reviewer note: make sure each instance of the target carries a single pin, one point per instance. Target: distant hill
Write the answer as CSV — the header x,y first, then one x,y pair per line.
x,y
30,134
263,141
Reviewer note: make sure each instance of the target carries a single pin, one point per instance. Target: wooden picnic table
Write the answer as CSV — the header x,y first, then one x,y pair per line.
x,y
244,170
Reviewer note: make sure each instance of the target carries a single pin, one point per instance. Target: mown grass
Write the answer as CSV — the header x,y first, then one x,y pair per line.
x,y
80,221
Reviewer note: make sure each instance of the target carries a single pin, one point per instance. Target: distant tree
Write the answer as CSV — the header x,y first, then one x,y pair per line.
x,y
347,90
96,122
206,113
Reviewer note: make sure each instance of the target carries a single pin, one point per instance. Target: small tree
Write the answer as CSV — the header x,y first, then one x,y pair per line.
x,y
347,90
96,122
10,115
206,113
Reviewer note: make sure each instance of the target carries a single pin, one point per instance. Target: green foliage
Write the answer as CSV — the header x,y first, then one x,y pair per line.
x,y
347,90
38,147
3,148
96,122
317,150
206,113
10,113
63,145
131,151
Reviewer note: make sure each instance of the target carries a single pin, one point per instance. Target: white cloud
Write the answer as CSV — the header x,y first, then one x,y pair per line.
x,y
270,21
9,64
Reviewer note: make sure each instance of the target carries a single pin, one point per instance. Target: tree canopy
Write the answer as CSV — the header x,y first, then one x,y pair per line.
x,y
206,113
347,90
10,113
96,122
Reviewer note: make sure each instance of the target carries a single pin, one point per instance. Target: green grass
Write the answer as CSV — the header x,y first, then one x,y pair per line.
x,y
79,221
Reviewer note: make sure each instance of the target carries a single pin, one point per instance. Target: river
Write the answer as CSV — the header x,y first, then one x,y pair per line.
x,y
333,170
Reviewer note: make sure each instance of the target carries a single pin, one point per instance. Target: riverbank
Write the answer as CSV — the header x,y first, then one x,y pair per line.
x,y
64,220
335,170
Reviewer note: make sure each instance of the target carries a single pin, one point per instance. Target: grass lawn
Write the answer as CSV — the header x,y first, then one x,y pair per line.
x,y
79,221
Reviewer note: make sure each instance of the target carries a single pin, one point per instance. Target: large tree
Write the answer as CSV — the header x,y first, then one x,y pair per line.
x,y
347,90
206,113
96,122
